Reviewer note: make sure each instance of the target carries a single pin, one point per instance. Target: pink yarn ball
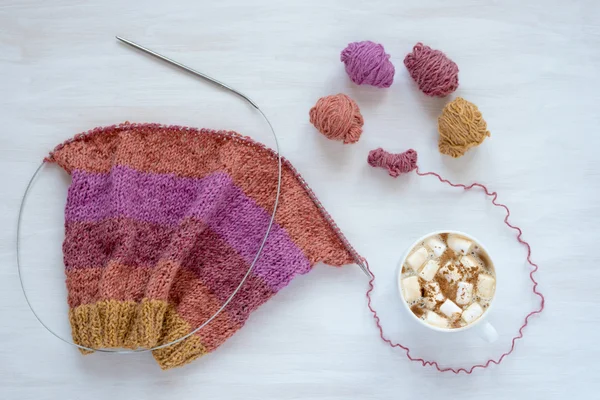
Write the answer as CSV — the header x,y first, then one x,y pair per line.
x,y
434,72
367,63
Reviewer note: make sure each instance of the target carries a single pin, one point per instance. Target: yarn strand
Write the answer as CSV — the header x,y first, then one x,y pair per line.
x,y
435,364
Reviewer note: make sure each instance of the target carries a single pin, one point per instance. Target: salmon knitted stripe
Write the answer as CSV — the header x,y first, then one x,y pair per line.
x,y
161,225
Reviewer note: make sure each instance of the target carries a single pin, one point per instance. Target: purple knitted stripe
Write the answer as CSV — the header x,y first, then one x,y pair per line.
x,y
167,199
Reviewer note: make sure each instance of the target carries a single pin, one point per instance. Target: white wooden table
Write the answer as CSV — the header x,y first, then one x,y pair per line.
x,y
532,68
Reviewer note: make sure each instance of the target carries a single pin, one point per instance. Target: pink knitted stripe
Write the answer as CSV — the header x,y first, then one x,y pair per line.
x,y
168,200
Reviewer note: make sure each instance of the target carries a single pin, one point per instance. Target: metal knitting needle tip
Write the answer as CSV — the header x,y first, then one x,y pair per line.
x,y
364,269
186,68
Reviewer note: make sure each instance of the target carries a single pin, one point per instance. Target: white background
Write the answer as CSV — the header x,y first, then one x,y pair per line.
x,y
531,67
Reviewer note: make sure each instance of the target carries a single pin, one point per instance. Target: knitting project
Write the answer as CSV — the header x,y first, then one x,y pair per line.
x,y
161,225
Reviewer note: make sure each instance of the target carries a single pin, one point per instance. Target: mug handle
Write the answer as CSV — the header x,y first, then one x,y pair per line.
x,y
487,332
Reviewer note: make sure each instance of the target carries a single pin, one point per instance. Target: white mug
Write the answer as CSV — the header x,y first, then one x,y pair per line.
x,y
485,329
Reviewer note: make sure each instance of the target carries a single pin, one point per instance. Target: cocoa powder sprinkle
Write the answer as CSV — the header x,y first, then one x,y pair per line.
x,y
448,289
447,256
417,310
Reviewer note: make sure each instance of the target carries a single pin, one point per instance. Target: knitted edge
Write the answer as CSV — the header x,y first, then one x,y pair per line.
x,y
117,324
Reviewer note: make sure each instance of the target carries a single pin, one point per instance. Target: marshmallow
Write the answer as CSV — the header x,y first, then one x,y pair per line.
x,y
472,312
459,244
464,293
472,266
417,258
433,294
470,262
436,320
450,309
411,288
429,270
451,272
436,245
486,286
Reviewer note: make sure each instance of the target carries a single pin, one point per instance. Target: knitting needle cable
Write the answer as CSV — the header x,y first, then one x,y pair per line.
x,y
260,249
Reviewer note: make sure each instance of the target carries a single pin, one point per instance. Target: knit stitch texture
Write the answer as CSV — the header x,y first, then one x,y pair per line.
x,y
162,223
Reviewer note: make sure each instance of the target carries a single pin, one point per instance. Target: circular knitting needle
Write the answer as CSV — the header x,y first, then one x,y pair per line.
x,y
358,259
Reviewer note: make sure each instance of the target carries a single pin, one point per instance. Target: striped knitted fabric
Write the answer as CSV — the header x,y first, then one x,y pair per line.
x,y
162,223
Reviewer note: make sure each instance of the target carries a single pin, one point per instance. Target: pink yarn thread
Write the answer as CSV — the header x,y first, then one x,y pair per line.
x,y
424,363
396,164
432,70
368,63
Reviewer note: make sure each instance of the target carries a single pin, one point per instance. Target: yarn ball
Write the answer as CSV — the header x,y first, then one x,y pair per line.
x,y
461,127
432,70
338,118
396,164
367,63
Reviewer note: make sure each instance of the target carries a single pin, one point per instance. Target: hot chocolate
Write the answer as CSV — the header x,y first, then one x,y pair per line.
x,y
448,280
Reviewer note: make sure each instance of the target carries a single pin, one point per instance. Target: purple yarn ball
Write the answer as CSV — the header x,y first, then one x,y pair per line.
x,y
367,63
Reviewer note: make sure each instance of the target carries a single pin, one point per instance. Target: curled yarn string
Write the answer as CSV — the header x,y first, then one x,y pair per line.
x,y
435,364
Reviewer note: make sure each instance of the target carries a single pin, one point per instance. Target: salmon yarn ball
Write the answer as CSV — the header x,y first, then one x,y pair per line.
x,y
461,127
338,118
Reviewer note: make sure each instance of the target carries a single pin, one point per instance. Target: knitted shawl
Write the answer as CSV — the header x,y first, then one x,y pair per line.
x,y
163,222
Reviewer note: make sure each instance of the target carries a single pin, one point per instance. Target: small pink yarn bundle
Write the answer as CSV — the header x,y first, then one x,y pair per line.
x,y
367,63
434,73
338,118
396,164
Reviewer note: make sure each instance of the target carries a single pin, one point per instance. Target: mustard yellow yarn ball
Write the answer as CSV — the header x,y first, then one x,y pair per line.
x,y
461,126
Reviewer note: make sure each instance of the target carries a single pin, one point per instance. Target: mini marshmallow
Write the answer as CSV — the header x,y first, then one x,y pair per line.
x,y
436,245
436,319
451,272
429,270
450,309
470,262
472,312
464,293
429,302
411,288
472,265
417,258
459,244
486,286
433,294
